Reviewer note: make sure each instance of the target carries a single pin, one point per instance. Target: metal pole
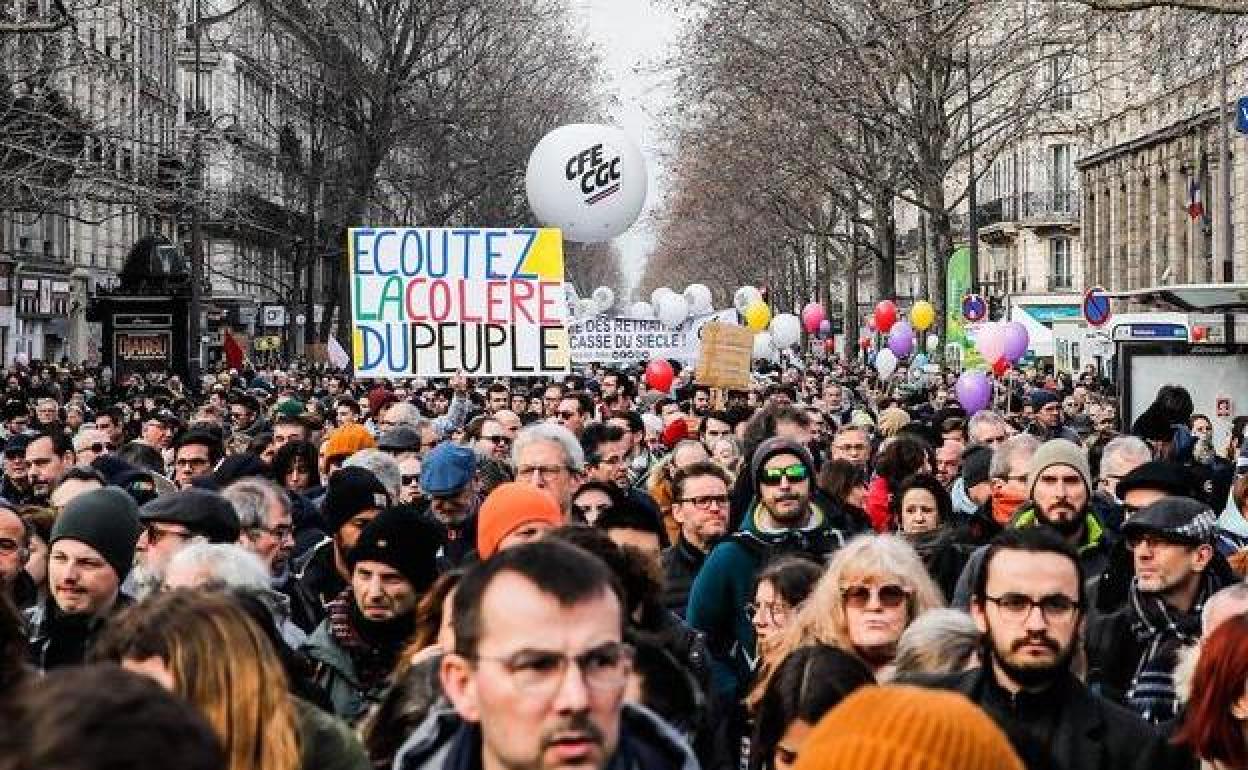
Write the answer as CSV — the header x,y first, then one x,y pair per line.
x,y
971,198
1224,165
194,330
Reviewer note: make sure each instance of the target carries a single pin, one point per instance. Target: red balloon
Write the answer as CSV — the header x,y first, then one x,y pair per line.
x,y
885,315
829,345
1000,367
865,343
659,375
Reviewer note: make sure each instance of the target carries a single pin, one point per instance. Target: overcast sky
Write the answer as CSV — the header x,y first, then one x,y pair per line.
x,y
632,37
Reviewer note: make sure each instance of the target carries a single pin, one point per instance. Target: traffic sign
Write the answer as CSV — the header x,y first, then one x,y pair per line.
x,y
1096,307
1241,115
974,307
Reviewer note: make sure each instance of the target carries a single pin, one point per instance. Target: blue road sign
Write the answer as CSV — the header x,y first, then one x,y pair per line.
x,y
1241,115
974,307
1096,307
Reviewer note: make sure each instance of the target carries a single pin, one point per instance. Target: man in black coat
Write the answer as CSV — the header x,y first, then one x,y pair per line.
x,y
700,503
1028,600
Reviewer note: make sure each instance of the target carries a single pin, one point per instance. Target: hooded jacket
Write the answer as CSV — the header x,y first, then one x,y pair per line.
x,y
445,742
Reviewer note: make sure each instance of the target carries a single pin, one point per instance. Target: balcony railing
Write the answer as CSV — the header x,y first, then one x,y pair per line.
x,y
1032,207
1061,282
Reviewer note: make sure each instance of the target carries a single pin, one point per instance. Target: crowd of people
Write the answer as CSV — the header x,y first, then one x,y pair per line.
x,y
288,569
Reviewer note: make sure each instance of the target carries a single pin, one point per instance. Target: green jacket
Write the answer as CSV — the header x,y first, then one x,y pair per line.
x,y
335,674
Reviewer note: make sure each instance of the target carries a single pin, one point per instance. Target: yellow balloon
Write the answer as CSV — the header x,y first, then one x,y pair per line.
x,y
757,315
922,315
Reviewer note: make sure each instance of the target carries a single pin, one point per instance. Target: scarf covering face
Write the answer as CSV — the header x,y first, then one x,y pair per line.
x,y
1005,504
1163,631
373,646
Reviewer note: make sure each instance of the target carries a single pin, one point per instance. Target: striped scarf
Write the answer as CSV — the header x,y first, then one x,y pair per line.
x,y
1163,631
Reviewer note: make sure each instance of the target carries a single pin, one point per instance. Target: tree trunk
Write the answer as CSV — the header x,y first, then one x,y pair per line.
x,y
885,243
942,248
851,298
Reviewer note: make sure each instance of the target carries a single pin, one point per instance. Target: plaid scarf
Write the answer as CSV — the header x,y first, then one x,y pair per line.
x,y
1163,631
372,663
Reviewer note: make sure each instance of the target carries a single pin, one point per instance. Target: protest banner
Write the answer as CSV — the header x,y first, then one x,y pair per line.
x,y
430,302
727,352
627,340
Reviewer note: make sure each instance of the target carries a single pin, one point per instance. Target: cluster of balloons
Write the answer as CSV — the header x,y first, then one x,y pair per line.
x,y
902,335
1002,343
589,180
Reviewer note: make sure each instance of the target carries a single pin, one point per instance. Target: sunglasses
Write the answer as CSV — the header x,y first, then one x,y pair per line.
x,y
772,476
410,479
502,440
891,596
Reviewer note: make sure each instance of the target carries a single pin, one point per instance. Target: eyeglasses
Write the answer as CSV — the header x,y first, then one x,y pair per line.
x,y
547,472
891,595
591,510
772,476
539,673
706,501
1016,608
97,447
155,534
1020,479
410,478
277,533
776,613
566,415
190,462
8,545
499,440
1150,539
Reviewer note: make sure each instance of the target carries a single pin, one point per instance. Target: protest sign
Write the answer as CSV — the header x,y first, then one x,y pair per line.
x,y
727,351
430,302
626,341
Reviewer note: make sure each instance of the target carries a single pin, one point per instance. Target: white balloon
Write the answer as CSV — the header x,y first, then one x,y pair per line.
x,y
673,310
744,297
589,180
886,363
586,308
642,310
656,296
699,298
763,347
786,330
932,341
604,298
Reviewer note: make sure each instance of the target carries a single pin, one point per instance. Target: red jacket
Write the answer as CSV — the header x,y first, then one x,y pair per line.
x,y
879,498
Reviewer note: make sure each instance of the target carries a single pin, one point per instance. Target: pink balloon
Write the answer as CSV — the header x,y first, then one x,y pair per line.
x,y
1015,341
990,342
974,391
812,316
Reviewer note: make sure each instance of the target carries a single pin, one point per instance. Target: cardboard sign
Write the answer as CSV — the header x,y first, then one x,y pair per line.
x,y
431,302
726,354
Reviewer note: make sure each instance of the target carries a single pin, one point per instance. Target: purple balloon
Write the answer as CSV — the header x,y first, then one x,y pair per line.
x,y
1016,341
974,391
825,328
901,339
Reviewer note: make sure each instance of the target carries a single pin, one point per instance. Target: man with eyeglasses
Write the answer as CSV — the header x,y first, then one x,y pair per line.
x,y
574,411
369,624
1029,603
16,486
90,443
700,506
195,454
265,526
538,675
245,416
783,517
449,479
170,523
1133,651
15,582
549,457
852,444
90,552
988,428
493,442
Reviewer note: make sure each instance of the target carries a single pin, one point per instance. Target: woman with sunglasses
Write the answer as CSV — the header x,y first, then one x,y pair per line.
x,y
872,590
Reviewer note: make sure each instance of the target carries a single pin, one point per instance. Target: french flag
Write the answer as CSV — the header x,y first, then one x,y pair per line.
x,y
1195,196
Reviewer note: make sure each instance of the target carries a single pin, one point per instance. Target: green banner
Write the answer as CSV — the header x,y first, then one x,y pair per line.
x,y
958,284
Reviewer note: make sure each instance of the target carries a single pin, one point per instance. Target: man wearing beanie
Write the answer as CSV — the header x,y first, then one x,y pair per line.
x,y
782,518
91,548
353,498
172,522
512,514
392,565
1046,423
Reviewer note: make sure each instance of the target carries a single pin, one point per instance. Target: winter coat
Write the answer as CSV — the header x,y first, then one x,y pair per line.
x,y
445,742
336,675
681,563
56,640
1084,731
316,583
326,742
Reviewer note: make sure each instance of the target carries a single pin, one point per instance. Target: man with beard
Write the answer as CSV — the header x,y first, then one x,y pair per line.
x,y
1047,422
173,521
449,479
782,518
48,456
1029,604
266,527
1132,652
538,675
357,645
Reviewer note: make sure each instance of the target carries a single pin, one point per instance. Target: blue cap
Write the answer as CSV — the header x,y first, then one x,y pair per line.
x,y
447,469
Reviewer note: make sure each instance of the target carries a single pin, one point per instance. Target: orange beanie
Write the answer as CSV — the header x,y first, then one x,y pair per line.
x,y
509,507
348,440
907,728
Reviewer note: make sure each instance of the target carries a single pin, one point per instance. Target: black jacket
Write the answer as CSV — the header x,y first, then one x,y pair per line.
x,y
1068,727
58,640
681,563
316,583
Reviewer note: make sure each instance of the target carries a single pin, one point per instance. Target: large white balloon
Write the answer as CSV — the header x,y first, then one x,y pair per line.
x,y
786,330
642,310
886,363
656,297
763,347
588,180
699,299
604,298
744,297
586,308
673,309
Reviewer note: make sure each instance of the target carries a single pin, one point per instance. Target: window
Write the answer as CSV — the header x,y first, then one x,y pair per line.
x,y
1059,264
1060,176
1060,85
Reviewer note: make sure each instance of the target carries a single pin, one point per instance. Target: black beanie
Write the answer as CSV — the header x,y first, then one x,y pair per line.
x,y
350,491
402,539
105,519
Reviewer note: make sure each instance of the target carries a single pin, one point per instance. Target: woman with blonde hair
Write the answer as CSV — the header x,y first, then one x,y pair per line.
x,y
205,648
873,589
